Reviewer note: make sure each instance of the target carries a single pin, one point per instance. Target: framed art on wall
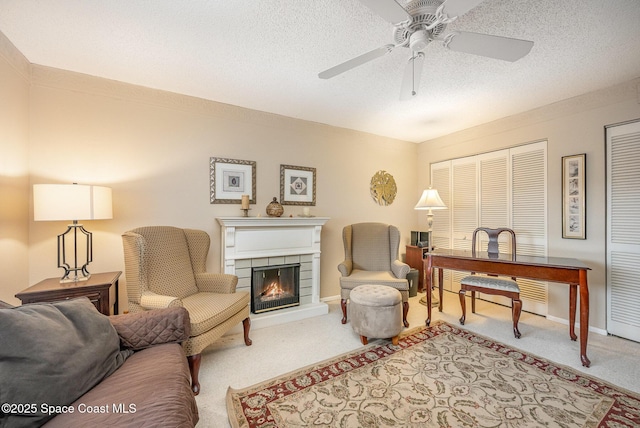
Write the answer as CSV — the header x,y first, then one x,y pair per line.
x,y
574,197
297,185
230,179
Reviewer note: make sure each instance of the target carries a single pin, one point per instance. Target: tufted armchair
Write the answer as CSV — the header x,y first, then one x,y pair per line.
x,y
371,257
165,267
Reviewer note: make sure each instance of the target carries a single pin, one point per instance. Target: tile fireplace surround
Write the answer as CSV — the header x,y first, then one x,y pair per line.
x,y
248,242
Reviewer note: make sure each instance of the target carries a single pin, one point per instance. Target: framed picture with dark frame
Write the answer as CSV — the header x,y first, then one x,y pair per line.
x,y
574,196
297,185
230,179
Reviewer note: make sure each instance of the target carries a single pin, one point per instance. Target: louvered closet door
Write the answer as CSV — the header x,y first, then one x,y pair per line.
x,y
506,188
529,216
464,208
495,187
513,194
441,235
494,210
623,230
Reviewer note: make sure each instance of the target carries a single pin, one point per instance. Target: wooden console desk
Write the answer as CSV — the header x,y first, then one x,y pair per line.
x,y
100,288
554,269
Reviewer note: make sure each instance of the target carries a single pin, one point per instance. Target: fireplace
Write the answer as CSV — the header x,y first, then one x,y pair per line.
x,y
251,242
275,287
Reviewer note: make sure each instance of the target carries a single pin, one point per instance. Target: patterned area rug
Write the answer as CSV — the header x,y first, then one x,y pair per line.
x,y
440,376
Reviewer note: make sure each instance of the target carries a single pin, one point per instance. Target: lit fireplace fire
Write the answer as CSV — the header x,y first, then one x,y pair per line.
x,y
273,291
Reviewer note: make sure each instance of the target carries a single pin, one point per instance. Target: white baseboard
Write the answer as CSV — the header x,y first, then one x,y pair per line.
x,y
566,322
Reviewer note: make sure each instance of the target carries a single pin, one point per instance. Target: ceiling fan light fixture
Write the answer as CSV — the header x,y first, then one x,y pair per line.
x,y
418,40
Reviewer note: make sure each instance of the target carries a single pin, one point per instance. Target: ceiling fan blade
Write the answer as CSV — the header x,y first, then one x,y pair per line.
x,y
355,62
504,48
453,8
388,10
411,77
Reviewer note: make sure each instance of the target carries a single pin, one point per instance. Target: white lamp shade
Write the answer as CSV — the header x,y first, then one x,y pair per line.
x,y
53,202
430,200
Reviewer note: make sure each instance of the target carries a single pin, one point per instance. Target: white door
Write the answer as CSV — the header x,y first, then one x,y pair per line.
x,y
513,194
623,230
441,235
505,188
529,216
464,208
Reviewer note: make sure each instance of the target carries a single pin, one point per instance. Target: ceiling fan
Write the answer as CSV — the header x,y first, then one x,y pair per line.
x,y
423,21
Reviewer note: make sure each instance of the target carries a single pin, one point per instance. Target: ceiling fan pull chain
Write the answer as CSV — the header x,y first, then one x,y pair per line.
x,y
413,77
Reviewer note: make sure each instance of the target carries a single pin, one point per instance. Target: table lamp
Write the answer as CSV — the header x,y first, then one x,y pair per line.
x,y
56,202
430,200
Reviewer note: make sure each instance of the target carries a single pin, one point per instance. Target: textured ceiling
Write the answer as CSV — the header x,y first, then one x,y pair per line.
x,y
266,55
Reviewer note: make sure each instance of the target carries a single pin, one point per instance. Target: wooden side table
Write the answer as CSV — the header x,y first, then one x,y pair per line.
x,y
100,288
414,258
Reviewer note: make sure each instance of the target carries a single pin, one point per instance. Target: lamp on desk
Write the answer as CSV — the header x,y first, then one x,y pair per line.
x,y
430,200
56,202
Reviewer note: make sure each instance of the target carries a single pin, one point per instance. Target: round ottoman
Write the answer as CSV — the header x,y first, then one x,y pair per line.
x,y
376,311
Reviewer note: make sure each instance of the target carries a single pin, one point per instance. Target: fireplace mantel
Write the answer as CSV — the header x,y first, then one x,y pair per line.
x,y
267,238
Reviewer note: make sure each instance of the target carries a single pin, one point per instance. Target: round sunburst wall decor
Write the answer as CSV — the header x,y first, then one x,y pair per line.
x,y
383,188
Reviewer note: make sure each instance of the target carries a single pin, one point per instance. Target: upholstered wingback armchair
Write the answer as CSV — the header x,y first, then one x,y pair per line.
x,y
371,257
166,266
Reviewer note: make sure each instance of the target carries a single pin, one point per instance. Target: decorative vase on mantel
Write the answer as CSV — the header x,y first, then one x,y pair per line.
x,y
274,209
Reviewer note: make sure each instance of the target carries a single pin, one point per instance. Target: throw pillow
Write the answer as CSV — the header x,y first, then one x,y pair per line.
x,y
51,354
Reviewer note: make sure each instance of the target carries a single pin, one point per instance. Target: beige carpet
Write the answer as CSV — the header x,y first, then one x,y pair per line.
x,y
439,376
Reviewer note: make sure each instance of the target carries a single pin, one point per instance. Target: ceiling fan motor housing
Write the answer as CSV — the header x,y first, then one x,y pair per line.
x,y
423,14
418,40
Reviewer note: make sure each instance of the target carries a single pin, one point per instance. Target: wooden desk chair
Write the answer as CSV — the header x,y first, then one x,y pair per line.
x,y
491,284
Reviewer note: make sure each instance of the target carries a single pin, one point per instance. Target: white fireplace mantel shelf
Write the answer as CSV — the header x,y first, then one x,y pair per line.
x,y
249,238
271,221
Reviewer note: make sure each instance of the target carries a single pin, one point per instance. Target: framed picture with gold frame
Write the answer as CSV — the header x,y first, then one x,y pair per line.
x,y
297,185
574,196
230,179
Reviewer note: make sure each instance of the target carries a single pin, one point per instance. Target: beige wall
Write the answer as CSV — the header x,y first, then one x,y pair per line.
x,y
570,127
153,149
14,174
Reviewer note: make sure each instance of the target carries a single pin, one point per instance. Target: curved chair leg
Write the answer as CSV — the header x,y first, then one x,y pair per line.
x,y
516,308
246,325
343,304
194,368
463,305
405,311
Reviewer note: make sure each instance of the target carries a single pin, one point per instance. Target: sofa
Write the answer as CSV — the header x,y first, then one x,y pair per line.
x,y
64,364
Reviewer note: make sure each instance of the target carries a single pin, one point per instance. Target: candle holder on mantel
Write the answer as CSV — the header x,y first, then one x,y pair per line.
x,y
244,201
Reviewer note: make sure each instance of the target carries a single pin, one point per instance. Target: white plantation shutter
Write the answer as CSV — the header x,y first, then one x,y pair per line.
x,y
623,230
506,188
